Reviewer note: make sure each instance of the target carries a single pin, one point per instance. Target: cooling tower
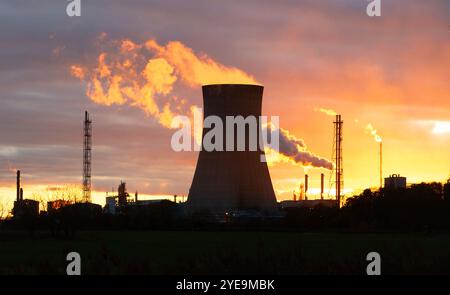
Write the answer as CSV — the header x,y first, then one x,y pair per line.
x,y
231,180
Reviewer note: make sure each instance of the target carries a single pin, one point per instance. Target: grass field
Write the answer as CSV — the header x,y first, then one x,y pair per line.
x,y
170,252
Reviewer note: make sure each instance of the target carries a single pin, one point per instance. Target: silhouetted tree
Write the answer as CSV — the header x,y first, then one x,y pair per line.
x,y
71,193
5,207
447,191
420,206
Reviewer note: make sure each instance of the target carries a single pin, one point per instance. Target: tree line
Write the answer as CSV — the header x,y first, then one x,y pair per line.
x,y
424,206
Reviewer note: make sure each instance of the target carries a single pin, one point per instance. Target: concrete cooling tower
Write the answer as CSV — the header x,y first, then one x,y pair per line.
x,y
231,180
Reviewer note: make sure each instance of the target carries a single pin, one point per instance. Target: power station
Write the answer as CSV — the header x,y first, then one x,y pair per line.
x,y
231,180
225,181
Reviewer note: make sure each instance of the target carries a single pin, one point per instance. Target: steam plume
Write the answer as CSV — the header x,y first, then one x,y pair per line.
x,y
145,76
294,149
328,112
371,130
441,127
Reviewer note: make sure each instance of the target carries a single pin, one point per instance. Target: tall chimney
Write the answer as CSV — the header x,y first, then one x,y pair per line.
x,y
322,178
306,183
21,194
18,185
381,165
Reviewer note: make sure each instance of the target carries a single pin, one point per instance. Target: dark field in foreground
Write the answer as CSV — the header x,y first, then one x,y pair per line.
x,y
183,252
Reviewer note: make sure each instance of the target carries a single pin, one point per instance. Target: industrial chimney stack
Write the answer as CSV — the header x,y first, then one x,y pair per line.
x,y
18,186
322,179
381,165
306,183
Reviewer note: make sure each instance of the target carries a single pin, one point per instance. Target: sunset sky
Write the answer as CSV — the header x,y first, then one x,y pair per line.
x,y
391,71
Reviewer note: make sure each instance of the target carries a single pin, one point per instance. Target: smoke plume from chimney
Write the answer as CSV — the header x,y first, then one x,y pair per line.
x,y
294,150
371,130
328,112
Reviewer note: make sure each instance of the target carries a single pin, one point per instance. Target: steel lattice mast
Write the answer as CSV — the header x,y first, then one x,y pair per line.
x,y
87,155
339,170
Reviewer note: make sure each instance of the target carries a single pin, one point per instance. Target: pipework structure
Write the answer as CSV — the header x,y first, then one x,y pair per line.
x,y
87,157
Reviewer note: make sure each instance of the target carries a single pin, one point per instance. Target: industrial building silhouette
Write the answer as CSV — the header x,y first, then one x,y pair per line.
x,y
231,180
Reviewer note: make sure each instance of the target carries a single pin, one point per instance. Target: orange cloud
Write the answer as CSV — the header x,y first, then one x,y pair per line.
x,y
198,70
77,72
144,75
328,112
